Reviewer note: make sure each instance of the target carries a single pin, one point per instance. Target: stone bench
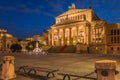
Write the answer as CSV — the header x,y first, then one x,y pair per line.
x,y
33,70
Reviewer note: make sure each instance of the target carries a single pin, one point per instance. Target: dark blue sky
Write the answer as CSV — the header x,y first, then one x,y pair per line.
x,y
25,18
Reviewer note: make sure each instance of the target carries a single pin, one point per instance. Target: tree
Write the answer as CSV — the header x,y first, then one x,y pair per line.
x,y
15,47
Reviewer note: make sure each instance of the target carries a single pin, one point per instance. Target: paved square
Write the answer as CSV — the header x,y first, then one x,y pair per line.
x,y
65,62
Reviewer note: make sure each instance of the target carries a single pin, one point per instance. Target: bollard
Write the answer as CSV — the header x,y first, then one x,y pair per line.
x,y
106,70
8,71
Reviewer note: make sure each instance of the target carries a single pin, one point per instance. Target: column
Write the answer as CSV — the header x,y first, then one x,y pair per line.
x,y
4,41
70,42
52,37
63,36
87,34
49,38
89,39
77,29
58,37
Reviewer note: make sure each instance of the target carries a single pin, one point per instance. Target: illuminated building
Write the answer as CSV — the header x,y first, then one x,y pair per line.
x,y
113,38
41,38
6,40
84,27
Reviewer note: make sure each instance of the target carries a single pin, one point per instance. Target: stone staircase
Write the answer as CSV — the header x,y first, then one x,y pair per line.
x,y
54,49
70,49
62,49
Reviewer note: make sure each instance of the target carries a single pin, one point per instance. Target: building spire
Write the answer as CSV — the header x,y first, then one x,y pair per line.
x,y
72,6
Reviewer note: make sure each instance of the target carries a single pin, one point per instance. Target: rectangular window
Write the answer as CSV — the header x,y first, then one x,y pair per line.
x,y
118,32
114,39
93,40
111,39
117,39
114,32
118,49
111,32
111,48
97,31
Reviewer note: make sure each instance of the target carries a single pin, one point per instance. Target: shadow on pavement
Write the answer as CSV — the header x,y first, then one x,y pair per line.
x,y
34,77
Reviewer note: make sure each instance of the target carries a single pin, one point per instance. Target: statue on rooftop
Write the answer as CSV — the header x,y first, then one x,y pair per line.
x,y
72,6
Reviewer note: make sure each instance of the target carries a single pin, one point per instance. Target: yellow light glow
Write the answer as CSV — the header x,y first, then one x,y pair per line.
x,y
68,42
74,42
62,42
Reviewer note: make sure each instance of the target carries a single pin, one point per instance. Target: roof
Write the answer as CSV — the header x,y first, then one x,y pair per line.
x,y
7,35
73,11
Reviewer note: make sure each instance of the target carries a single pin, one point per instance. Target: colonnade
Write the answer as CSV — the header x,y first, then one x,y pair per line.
x,y
67,35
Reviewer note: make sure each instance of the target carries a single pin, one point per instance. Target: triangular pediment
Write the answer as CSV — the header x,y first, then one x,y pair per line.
x,y
73,11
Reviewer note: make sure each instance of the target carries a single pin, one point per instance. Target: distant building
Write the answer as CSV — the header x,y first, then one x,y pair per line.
x,y
41,38
113,38
29,39
84,27
6,40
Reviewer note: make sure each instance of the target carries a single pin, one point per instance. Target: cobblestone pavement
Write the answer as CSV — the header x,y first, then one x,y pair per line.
x,y
81,64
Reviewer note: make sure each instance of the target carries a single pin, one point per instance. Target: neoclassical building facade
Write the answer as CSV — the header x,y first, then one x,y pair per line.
x,y
80,26
113,38
6,40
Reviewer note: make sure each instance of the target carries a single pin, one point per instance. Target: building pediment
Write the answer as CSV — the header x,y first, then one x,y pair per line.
x,y
70,12
74,14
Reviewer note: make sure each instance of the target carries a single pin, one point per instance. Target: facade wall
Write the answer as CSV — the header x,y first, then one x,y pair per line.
x,y
6,40
113,38
70,34
41,38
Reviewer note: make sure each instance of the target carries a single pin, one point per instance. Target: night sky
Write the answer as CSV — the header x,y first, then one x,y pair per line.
x,y
25,18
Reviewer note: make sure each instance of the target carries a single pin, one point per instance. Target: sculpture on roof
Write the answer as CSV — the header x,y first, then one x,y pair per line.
x,y
72,6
